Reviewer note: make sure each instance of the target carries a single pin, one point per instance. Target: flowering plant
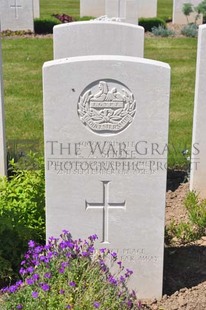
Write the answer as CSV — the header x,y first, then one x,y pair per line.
x,y
69,274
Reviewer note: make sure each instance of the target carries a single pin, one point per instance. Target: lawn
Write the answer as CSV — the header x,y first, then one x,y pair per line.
x,y
22,67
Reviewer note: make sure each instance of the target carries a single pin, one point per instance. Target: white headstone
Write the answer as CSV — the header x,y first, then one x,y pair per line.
x,y
179,17
100,38
106,123
126,10
3,165
198,156
36,8
16,15
147,8
93,8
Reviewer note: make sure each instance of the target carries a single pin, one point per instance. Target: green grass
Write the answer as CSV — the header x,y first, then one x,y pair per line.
x,y
180,53
22,64
69,7
164,9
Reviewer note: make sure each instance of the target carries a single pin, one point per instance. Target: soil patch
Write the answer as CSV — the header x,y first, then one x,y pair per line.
x,y
184,283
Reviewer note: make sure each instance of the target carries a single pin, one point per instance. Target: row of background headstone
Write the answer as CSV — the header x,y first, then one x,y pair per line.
x,y
141,8
18,15
96,8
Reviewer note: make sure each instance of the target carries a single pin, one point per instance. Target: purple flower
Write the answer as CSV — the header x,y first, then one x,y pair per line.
x,y
61,270
102,250
68,307
120,264
85,254
22,271
31,244
128,273
72,284
96,304
114,255
45,287
122,279
35,294
19,283
4,290
129,304
19,306
103,265
38,249
23,262
30,281
91,249
93,237
64,264
30,269
13,288
65,231
61,292
35,277
47,275
112,280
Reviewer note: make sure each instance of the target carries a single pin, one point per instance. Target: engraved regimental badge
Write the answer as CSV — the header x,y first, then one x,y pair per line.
x,y
106,107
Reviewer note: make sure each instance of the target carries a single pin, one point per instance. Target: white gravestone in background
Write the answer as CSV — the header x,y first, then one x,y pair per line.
x,y
100,38
3,165
179,17
126,10
16,15
198,156
147,8
36,8
95,8
105,126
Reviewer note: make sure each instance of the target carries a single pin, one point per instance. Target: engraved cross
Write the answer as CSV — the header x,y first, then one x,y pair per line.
x,y
105,206
16,6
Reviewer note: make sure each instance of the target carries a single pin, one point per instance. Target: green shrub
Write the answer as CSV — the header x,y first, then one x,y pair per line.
x,y
44,26
197,212
202,9
195,227
162,31
187,9
190,30
149,23
70,274
22,215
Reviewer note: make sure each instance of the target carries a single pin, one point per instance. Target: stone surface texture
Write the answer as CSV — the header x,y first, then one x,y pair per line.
x,y
16,15
104,117
198,162
179,17
99,37
93,8
126,10
147,8
36,8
